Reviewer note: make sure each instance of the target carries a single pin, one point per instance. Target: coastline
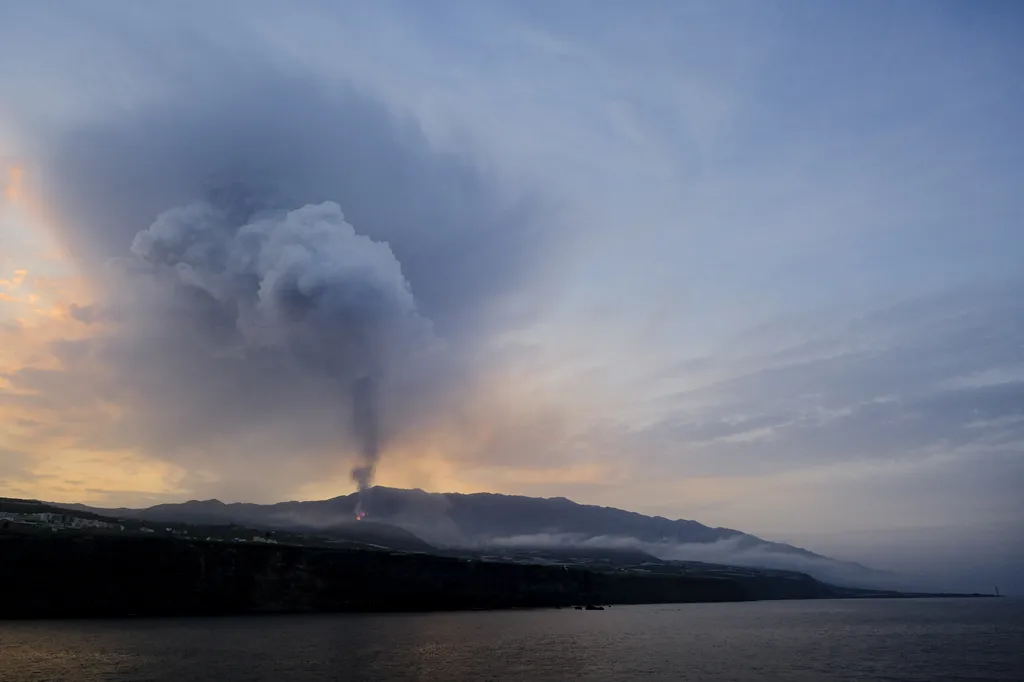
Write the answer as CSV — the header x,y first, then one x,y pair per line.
x,y
86,576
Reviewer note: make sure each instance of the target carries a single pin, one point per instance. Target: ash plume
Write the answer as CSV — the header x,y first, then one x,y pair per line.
x,y
278,235
302,282
366,427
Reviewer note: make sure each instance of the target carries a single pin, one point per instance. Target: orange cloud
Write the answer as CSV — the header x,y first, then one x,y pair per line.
x,y
16,279
99,478
15,184
56,457
41,223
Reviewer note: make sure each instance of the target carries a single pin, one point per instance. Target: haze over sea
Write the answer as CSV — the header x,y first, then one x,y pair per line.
x,y
927,640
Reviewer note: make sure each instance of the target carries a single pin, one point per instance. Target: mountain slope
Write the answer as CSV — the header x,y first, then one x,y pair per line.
x,y
483,520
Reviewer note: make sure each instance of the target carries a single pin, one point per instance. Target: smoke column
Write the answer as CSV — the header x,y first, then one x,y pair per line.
x,y
231,337
301,285
366,429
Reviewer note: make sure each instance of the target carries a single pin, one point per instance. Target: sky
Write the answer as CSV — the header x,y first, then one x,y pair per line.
x,y
754,264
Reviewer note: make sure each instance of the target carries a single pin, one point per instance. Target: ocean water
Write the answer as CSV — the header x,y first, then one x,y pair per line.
x,y
925,640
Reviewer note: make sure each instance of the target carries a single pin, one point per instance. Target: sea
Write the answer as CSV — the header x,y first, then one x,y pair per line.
x,y
926,640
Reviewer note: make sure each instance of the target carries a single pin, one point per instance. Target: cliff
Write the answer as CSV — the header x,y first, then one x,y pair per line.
x,y
64,575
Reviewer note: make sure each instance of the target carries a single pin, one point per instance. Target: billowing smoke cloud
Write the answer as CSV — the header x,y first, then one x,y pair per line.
x,y
302,278
302,281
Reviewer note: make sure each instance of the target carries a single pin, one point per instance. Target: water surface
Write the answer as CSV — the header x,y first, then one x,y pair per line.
x,y
925,640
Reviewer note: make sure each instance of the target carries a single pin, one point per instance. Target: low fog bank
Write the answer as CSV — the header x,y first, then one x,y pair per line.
x,y
913,560
969,559
745,551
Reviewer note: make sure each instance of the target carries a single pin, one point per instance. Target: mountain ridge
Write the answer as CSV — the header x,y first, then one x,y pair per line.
x,y
496,520
216,506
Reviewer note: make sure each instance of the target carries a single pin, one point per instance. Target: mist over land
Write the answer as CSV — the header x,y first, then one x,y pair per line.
x,y
513,525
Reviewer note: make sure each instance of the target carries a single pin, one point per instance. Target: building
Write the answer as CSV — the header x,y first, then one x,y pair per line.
x,y
54,521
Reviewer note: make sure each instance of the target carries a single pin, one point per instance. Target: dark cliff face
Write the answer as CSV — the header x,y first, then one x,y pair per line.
x,y
67,576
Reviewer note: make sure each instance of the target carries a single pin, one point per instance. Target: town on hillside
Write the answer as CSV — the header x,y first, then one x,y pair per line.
x,y
31,516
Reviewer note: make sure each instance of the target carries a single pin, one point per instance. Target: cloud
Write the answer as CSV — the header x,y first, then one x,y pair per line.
x,y
739,550
189,208
962,573
665,273
879,386
15,466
